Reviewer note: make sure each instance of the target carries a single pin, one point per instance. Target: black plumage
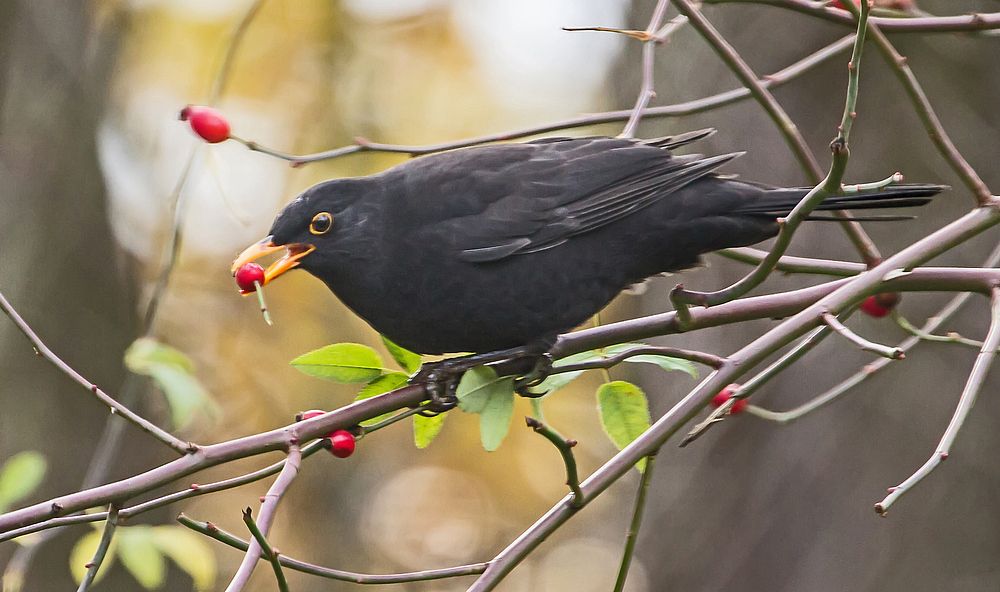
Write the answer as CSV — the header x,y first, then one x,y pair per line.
x,y
500,246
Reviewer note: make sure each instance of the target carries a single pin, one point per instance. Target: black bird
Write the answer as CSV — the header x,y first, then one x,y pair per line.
x,y
503,246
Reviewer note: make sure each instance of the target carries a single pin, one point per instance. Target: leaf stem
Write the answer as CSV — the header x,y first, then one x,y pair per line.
x,y
266,550
565,448
633,530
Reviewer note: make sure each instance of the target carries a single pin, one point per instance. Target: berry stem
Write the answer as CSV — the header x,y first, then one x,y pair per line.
x,y
263,305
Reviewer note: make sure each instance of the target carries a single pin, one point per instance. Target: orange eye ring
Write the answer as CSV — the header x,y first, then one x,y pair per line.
x,y
321,223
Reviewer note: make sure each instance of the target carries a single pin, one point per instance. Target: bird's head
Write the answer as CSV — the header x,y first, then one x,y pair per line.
x,y
311,230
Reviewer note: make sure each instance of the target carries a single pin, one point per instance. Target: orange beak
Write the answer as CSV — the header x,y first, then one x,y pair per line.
x,y
293,253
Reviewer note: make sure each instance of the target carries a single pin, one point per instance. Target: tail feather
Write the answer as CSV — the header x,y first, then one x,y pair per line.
x,y
779,202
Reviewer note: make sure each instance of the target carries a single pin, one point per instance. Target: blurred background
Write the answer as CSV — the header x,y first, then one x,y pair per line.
x,y
90,157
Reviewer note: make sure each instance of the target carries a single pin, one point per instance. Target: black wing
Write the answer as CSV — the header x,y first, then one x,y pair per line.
x,y
523,198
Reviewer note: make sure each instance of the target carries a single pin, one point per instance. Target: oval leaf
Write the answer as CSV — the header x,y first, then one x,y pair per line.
x,y
141,557
624,413
425,429
190,552
494,420
20,475
476,387
666,362
173,373
406,359
341,362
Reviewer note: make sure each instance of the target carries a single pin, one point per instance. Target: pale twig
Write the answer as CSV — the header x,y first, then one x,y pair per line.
x,y
935,131
710,360
140,422
885,351
102,549
932,324
565,447
633,529
266,550
213,531
933,24
676,110
950,337
790,264
268,507
647,89
973,385
193,490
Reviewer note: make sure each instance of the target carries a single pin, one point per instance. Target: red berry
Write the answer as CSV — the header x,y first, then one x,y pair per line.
x,y
341,443
247,274
725,394
839,4
879,305
309,414
208,123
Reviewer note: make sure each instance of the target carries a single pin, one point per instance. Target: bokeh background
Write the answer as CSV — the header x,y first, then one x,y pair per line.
x,y
91,152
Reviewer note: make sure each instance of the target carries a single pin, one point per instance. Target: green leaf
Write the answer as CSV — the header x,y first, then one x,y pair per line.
x,y
83,552
190,552
140,555
173,373
341,362
482,391
406,359
666,362
624,413
19,476
382,384
494,420
425,429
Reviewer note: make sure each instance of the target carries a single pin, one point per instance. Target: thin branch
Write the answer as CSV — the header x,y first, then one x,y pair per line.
x,y
647,89
935,131
932,324
268,508
932,24
973,385
702,105
790,264
102,549
142,423
870,346
565,447
266,550
193,490
710,360
830,185
633,529
951,337
209,529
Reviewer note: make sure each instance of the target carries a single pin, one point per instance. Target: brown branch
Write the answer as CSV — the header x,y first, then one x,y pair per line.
x,y
973,385
268,508
929,24
935,131
647,89
211,530
140,422
710,360
870,346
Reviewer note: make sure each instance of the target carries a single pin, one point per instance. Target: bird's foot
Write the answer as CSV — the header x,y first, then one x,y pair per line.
x,y
441,382
538,373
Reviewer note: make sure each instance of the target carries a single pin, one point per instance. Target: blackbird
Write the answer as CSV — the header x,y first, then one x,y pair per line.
x,y
497,247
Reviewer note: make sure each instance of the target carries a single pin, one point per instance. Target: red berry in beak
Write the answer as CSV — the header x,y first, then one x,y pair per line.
x,y
727,393
341,443
247,274
208,123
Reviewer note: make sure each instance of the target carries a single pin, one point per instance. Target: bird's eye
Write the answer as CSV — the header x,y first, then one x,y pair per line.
x,y
321,223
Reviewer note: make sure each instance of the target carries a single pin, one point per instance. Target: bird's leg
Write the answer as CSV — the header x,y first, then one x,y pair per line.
x,y
538,373
441,378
